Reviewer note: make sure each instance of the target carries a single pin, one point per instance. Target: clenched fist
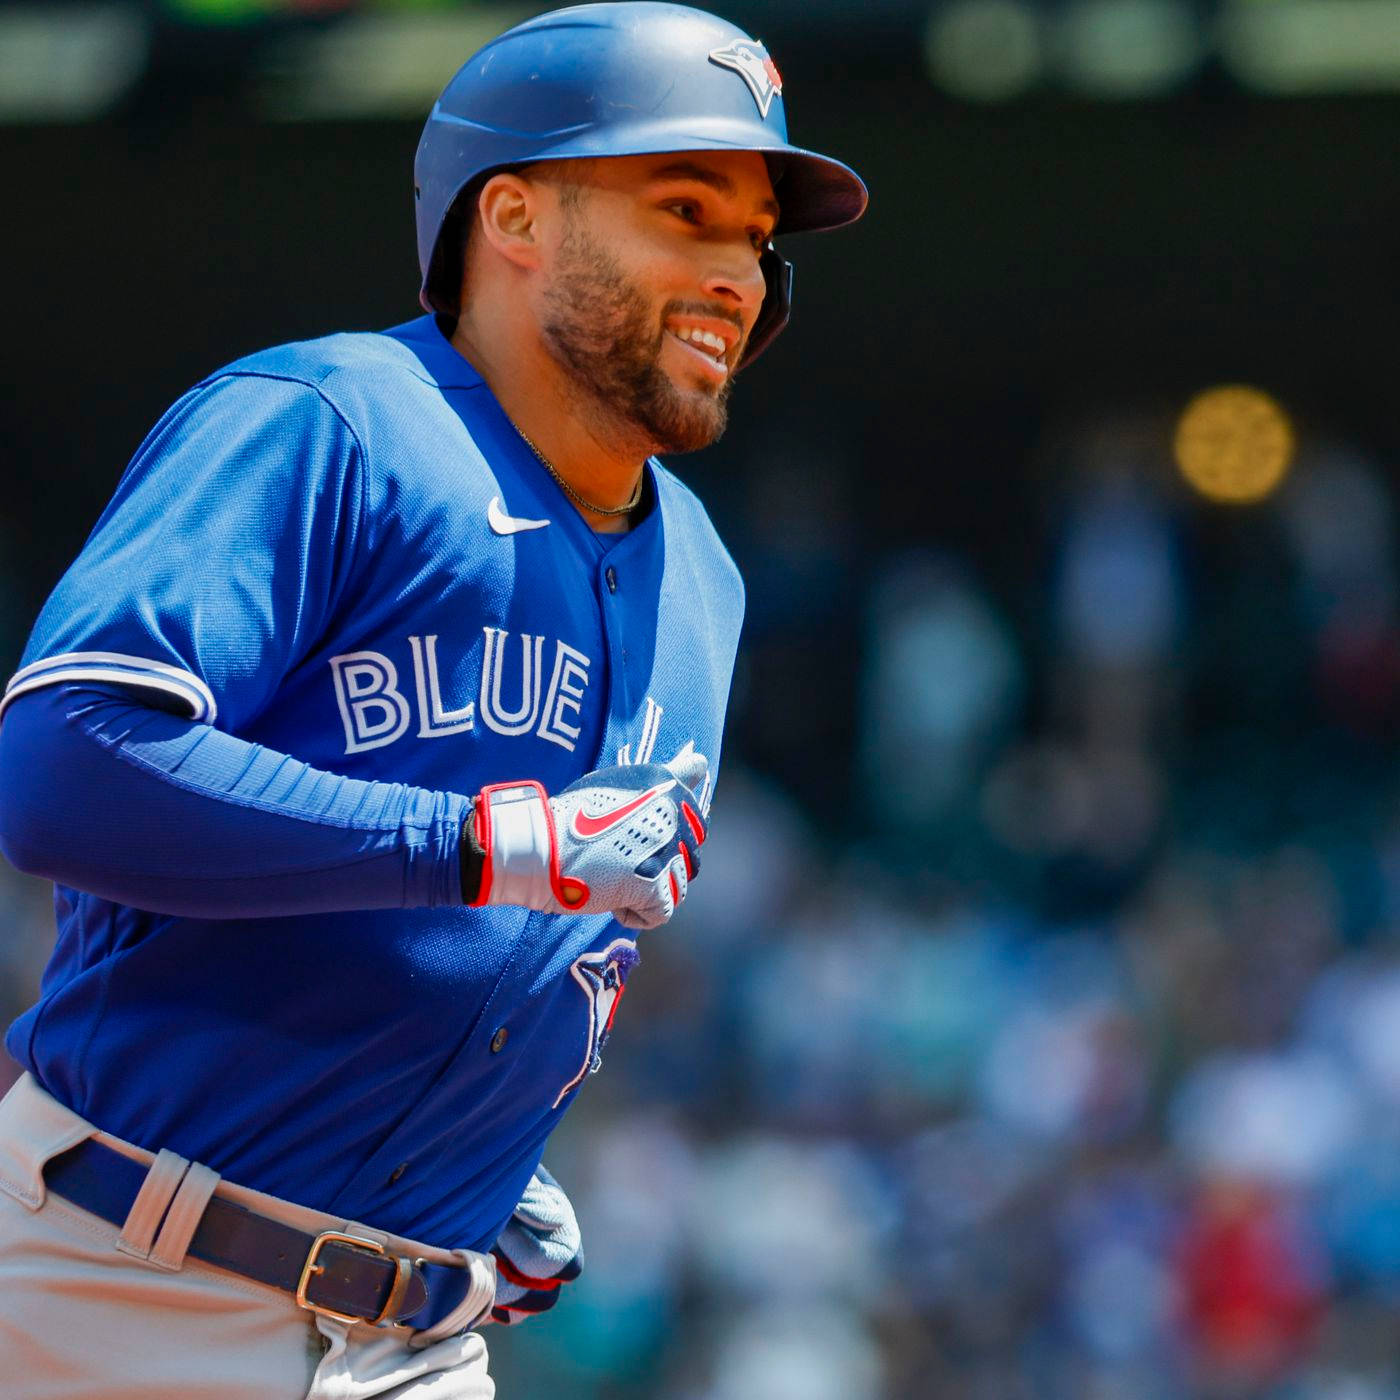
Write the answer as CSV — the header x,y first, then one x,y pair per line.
x,y
622,841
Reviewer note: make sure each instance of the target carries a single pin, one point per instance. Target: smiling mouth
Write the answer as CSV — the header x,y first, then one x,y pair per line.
x,y
705,347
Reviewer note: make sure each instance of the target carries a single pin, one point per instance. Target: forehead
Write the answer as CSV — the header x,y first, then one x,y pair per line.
x,y
740,176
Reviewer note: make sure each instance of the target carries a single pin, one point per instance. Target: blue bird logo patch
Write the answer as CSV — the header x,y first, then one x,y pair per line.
x,y
751,62
603,978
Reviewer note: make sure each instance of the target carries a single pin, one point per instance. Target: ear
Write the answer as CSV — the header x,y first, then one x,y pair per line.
x,y
508,207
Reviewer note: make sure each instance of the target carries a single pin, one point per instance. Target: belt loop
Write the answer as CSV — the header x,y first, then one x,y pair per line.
x,y
34,1128
473,1307
152,1200
183,1217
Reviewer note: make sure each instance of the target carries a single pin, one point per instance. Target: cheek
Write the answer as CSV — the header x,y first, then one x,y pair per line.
x,y
659,262
662,278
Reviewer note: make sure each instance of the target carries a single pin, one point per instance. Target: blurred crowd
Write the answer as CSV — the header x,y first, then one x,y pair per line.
x,y
1034,1028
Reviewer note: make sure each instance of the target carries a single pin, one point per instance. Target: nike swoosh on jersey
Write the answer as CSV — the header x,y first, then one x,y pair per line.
x,y
504,524
587,825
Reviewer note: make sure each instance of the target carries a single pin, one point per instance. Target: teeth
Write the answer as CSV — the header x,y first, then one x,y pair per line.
x,y
695,336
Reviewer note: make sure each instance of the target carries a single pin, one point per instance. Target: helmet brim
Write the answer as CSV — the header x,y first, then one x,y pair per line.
x,y
814,192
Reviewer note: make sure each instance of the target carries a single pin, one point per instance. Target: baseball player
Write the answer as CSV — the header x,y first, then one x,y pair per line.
x,y
378,714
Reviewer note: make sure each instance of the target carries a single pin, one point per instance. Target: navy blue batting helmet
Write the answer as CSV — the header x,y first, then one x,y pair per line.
x,y
613,80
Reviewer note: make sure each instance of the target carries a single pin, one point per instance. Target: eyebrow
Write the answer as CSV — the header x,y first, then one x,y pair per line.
x,y
702,175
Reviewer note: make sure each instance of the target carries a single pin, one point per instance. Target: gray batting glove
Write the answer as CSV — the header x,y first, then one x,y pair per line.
x,y
538,1252
693,769
622,841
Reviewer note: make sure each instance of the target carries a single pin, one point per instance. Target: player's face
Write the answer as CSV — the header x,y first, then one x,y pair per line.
x,y
655,285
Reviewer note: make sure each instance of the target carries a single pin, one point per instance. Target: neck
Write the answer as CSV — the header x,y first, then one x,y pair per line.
x,y
600,458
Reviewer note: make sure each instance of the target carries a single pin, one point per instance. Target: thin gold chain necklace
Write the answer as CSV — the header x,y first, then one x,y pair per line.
x,y
574,495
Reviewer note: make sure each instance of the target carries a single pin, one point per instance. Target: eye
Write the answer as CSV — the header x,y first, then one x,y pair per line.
x,y
759,239
685,209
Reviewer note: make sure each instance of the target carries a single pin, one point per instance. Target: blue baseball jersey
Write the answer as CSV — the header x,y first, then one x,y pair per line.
x,y
343,550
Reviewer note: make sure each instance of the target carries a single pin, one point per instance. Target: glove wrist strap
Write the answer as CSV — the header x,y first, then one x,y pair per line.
x,y
515,830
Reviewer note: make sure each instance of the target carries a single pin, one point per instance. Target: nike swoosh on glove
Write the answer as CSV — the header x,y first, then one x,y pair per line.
x,y
539,1250
623,841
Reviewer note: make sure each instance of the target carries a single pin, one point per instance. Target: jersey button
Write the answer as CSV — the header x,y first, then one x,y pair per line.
x,y
498,1041
397,1172
611,577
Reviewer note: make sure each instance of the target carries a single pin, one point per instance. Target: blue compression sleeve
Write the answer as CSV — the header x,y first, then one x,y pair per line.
x,y
161,813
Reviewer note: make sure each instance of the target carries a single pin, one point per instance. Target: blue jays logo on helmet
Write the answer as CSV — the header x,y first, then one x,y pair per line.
x,y
751,62
603,978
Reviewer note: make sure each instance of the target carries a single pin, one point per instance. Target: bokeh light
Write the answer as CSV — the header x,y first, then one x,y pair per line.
x,y
1234,444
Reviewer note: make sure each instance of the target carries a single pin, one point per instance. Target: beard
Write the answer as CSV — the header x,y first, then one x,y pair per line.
x,y
599,327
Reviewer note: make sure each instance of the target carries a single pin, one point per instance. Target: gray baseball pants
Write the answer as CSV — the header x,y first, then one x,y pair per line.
x,y
92,1312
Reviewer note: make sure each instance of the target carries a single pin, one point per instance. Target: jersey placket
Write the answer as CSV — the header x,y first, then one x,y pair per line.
x,y
483,1066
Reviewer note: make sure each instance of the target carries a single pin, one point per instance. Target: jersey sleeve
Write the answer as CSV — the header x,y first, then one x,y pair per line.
x,y
218,559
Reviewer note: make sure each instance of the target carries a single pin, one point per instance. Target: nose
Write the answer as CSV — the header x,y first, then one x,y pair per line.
x,y
737,280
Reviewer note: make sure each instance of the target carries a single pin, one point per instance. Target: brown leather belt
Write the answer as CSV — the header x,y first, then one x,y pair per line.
x,y
338,1274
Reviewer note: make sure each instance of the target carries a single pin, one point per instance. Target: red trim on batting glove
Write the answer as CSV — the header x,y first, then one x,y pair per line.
x,y
558,883
569,891
521,1280
697,827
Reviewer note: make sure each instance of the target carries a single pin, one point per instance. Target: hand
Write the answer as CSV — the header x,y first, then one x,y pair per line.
x,y
623,841
539,1250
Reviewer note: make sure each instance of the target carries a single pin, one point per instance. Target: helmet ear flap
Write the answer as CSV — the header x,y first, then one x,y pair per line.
x,y
777,304
442,284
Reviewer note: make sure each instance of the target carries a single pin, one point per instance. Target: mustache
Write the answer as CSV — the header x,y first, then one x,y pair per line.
x,y
703,308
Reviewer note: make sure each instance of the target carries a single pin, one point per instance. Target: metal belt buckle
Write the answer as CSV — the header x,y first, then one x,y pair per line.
x,y
403,1272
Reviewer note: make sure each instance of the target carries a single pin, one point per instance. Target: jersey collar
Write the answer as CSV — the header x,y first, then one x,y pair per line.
x,y
448,369
441,362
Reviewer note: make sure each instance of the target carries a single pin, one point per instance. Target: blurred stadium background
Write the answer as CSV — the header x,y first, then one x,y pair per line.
x,y
1035,1030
